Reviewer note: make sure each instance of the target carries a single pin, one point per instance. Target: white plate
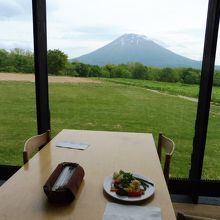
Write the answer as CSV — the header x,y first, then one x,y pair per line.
x,y
149,191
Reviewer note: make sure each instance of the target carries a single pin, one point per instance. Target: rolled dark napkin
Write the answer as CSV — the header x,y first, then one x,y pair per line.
x,y
63,184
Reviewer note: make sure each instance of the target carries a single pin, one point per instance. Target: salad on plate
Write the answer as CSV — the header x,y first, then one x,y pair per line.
x,y
128,184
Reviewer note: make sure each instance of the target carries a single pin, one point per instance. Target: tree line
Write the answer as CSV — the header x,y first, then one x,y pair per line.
x,y
18,60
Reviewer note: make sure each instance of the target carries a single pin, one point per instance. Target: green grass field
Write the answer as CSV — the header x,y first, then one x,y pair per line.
x,y
107,106
171,88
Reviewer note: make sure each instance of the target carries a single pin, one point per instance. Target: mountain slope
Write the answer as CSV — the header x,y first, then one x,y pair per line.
x,y
136,48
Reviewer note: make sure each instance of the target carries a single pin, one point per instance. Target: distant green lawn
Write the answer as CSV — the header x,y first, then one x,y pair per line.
x,y
107,106
171,88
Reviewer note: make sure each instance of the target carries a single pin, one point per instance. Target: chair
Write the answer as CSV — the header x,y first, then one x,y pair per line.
x,y
6,171
168,145
33,143
183,216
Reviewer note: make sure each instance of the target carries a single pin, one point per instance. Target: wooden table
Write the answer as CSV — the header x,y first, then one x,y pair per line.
x,y
22,196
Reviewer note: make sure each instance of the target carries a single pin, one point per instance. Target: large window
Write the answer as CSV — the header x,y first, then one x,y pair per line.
x,y
159,95
17,96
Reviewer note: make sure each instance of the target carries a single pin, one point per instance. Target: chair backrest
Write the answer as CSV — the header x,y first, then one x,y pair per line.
x,y
33,143
168,145
183,216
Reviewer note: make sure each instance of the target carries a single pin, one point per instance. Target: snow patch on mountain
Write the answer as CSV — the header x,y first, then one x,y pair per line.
x,y
132,39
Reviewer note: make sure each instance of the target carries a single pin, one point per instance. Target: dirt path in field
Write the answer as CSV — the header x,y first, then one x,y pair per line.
x,y
52,79
180,96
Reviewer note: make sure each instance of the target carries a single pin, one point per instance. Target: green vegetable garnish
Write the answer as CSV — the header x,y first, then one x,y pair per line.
x,y
127,178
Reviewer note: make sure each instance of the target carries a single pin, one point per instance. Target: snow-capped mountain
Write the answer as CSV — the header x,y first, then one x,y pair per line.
x,y
130,39
136,48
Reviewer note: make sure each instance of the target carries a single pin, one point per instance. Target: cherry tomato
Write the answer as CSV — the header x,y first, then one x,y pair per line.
x,y
134,194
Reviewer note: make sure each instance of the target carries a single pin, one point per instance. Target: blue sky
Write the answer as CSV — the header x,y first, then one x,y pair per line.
x,y
79,27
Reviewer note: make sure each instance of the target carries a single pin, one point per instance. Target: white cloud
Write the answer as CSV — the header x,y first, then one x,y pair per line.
x,y
78,27
15,9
